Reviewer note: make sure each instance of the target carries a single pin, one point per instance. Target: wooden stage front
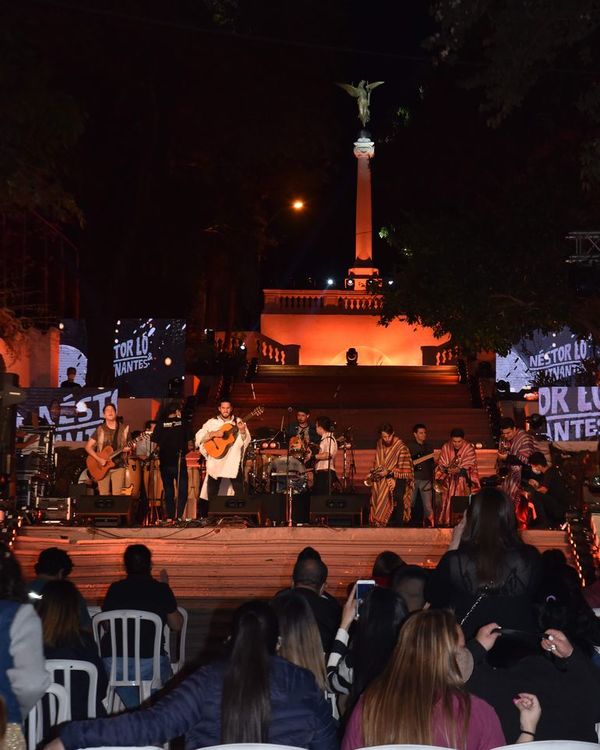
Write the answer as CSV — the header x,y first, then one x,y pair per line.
x,y
213,569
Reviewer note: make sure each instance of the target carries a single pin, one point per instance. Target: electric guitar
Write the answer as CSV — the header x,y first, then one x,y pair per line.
x,y
98,472
218,447
422,459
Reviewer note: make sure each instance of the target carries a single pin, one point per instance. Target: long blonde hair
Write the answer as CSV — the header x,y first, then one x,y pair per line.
x,y
300,638
423,671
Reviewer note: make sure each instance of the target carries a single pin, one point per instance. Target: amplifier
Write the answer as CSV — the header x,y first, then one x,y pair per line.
x,y
337,510
105,508
248,507
53,509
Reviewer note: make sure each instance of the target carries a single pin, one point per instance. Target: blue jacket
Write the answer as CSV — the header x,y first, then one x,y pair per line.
x,y
8,610
300,716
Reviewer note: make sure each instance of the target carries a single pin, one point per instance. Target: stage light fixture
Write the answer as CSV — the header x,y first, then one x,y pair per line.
x,y
349,283
243,347
351,356
116,341
168,361
390,282
61,326
330,282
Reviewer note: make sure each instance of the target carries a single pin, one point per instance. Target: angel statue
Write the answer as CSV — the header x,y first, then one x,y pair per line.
x,y
362,92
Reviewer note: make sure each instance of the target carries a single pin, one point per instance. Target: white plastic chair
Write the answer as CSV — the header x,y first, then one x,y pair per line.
x,y
56,699
129,678
66,667
553,745
253,746
181,640
407,747
93,610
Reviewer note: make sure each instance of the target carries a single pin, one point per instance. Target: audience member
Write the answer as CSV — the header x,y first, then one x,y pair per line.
x,y
374,636
309,578
409,581
492,576
421,698
141,591
23,677
565,681
54,564
549,492
299,636
253,696
65,639
384,564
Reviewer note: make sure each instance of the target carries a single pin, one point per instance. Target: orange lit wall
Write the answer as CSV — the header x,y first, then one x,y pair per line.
x,y
324,339
37,361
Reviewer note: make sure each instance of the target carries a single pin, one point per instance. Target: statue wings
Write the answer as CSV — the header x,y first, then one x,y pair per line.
x,y
371,86
356,91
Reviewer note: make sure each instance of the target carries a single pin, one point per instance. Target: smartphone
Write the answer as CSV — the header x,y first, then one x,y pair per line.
x,y
362,589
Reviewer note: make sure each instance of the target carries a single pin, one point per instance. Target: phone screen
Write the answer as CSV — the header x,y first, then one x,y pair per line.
x,y
362,589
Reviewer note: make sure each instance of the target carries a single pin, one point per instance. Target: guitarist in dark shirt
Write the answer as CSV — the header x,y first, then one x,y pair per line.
x,y
419,448
115,434
173,437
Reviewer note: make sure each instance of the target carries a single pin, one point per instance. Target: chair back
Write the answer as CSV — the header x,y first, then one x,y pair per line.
x,y
252,746
116,622
177,655
56,701
554,745
61,671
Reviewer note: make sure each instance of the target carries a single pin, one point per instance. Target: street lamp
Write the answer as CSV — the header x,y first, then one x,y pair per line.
x,y
298,204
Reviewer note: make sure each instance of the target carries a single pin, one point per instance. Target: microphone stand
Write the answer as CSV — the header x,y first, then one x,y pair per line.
x,y
288,489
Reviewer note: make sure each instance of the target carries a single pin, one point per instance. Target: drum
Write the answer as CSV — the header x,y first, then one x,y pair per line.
x,y
296,480
133,475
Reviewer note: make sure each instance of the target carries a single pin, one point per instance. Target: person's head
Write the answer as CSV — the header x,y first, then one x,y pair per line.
x,y
173,409
375,635
109,412
59,612
246,704
310,573
225,408
299,635
71,373
423,670
53,562
457,437
54,410
490,531
420,432
302,416
537,422
308,553
508,428
150,425
323,425
409,581
138,560
538,462
12,586
384,564
386,433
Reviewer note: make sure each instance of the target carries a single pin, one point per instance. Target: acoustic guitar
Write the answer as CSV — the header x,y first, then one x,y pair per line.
x,y
98,472
218,447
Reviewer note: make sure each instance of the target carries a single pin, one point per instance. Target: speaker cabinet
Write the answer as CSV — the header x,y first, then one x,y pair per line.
x,y
109,510
337,510
227,506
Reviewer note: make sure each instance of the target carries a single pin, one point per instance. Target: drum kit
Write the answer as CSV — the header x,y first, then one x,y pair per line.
x,y
34,464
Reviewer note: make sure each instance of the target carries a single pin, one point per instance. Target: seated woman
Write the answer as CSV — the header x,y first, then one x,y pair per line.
x,y
300,640
252,696
64,638
421,699
23,676
492,576
374,636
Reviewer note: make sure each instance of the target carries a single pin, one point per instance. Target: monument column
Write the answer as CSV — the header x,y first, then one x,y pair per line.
x,y
364,150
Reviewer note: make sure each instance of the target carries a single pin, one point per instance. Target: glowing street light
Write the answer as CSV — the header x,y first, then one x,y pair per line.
x,y
298,205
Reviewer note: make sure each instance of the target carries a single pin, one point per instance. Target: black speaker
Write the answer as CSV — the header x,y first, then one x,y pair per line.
x,y
225,506
337,510
102,508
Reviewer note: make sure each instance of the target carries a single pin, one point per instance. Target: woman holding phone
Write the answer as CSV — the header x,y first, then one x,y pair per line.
x,y
420,699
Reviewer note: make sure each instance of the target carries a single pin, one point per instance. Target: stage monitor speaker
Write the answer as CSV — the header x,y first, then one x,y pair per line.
x,y
337,510
104,509
53,510
227,506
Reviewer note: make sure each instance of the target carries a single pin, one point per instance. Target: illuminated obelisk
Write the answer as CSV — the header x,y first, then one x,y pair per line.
x,y
364,149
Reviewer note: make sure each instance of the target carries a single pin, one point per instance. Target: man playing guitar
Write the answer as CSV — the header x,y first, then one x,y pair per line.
x,y
420,448
229,466
115,434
